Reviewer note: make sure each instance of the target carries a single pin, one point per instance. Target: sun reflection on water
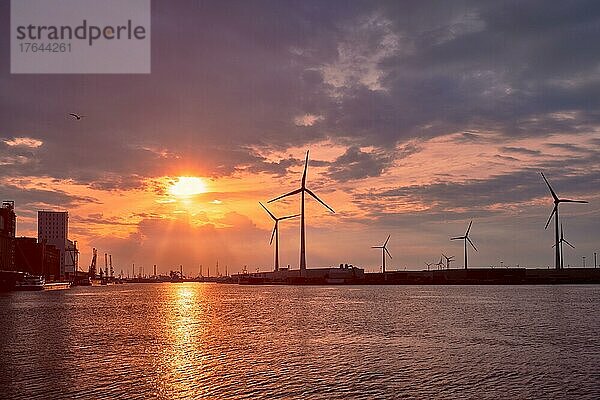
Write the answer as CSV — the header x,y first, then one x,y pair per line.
x,y
185,325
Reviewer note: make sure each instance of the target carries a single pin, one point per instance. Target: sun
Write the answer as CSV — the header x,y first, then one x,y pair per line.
x,y
186,186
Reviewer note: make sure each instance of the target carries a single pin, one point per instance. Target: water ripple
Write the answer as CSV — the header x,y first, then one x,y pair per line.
x,y
206,341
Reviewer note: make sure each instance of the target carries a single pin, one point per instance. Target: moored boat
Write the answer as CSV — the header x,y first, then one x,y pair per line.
x,y
30,282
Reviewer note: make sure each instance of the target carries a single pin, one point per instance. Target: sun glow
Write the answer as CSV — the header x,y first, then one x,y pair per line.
x,y
186,186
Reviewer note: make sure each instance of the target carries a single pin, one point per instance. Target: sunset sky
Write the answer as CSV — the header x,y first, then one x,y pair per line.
x,y
419,117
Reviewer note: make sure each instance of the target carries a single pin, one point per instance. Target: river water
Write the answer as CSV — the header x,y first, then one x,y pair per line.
x,y
197,341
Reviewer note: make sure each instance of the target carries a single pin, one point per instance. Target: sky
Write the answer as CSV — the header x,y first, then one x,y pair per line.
x,y
419,116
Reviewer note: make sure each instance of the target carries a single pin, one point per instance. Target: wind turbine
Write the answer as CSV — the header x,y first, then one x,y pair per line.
x,y
448,260
302,190
275,232
466,239
383,251
561,241
440,263
557,201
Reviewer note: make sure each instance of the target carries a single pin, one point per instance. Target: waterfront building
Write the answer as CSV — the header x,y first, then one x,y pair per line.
x,y
37,258
8,228
53,229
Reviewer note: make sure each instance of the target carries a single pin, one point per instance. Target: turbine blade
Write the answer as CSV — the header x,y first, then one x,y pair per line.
x,y
377,247
564,240
293,192
388,253
386,240
457,237
472,244
273,234
267,210
572,201
554,196
469,228
319,200
550,218
305,169
289,216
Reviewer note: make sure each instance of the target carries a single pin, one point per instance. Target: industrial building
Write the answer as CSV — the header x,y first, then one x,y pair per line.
x,y
8,227
37,258
53,229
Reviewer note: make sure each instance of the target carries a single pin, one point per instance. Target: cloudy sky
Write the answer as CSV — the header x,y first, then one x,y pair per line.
x,y
420,116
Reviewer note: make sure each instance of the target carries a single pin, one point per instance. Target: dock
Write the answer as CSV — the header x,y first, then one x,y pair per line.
x,y
471,276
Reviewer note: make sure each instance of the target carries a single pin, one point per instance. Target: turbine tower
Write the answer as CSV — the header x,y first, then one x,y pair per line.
x,y
561,241
383,251
275,232
448,260
557,201
302,190
466,239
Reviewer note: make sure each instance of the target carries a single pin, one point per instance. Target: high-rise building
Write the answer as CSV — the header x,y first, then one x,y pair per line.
x,y
53,229
8,229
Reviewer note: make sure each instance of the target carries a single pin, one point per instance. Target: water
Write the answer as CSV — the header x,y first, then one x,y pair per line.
x,y
196,341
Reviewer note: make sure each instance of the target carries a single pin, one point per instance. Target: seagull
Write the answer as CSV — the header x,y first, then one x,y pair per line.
x,y
76,116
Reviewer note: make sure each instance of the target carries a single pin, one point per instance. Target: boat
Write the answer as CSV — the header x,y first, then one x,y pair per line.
x,y
57,285
30,282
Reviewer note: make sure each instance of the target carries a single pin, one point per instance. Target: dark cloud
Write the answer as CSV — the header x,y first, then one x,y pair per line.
x,y
229,78
502,192
357,164
278,168
42,198
520,150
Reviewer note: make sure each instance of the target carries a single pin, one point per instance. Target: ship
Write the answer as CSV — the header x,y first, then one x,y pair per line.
x,y
30,282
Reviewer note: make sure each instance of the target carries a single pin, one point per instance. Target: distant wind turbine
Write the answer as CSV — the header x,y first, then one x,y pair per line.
x,y
384,250
557,201
561,241
302,190
440,263
448,260
466,239
275,232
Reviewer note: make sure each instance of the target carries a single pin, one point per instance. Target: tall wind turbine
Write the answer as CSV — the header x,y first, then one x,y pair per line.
x,y
275,232
561,241
383,251
557,201
448,260
466,239
302,190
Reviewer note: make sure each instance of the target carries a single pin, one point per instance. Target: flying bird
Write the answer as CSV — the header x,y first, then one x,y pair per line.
x,y
76,116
